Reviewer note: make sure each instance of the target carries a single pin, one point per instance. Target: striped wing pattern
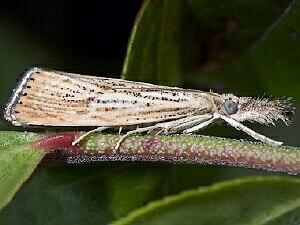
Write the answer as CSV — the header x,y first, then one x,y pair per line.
x,y
53,98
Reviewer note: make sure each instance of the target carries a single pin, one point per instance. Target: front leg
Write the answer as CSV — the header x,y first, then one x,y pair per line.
x,y
176,126
239,126
202,124
189,124
173,123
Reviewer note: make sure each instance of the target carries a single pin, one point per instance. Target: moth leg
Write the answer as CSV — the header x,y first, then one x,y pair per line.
x,y
239,126
166,126
98,129
202,124
188,124
177,125
136,131
159,132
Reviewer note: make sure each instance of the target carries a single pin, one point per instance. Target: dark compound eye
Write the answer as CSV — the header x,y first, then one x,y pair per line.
x,y
230,107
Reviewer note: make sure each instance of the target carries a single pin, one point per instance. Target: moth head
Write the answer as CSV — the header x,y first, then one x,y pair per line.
x,y
226,104
230,104
260,110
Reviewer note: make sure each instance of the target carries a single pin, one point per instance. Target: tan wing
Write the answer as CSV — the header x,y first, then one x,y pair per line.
x,y
52,98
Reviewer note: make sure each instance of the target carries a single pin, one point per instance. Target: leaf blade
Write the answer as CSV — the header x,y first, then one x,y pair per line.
x,y
17,162
233,202
153,52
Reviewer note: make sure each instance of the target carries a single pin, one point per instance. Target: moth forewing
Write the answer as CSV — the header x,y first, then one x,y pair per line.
x,y
52,98
9,113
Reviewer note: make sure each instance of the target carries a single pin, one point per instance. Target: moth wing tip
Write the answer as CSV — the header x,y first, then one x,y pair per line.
x,y
15,96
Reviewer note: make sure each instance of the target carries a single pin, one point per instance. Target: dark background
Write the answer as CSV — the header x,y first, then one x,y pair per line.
x,y
92,31
88,37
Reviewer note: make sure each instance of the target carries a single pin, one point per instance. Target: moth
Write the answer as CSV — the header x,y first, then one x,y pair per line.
x,y
57,99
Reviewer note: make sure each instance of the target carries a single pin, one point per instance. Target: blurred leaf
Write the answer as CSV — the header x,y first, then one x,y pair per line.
x,y
73,195
82,194
17,162
134,186
153,52
246,47
254,200
216,38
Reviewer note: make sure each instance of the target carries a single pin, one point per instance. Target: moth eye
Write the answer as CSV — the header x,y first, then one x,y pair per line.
x,y
230,107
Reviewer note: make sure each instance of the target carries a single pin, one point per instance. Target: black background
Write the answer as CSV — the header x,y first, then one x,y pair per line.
x,y
86,31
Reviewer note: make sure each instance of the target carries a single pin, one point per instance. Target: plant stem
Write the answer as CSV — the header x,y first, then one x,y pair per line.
x,y
178,149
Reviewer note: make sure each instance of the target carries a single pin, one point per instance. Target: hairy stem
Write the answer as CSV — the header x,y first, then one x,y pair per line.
x,y
175,149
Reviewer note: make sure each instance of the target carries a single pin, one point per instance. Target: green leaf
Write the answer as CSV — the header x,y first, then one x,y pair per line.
x,y
60,195
153,52
256,200
133,186
83,194
17,161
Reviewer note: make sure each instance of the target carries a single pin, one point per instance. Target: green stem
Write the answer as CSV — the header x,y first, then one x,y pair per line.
x,y
187,149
